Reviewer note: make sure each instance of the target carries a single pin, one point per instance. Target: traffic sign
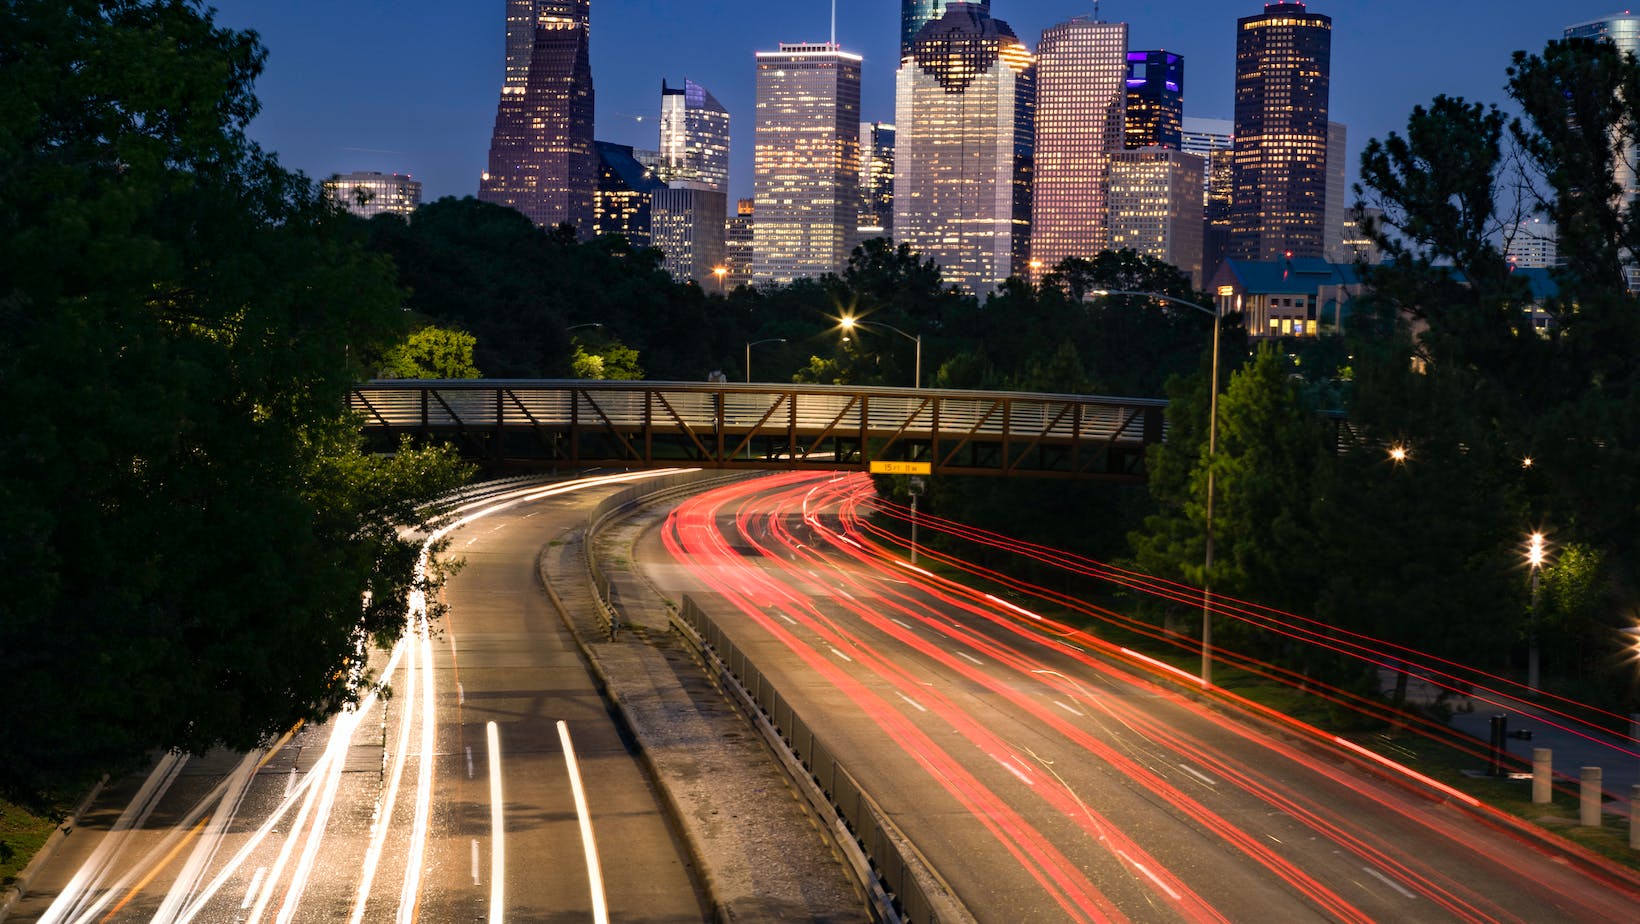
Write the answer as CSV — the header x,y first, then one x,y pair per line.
x,y
902,468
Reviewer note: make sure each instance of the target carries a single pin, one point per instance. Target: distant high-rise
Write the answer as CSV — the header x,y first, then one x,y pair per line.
x,y
1081,100
1283,63
621,202
964,102
542,157
1155,207
694,136
738,245
686,223
1337,221
914,14
806,167
1531,245
1622,30
1155,99
1211,140
370,193
876,179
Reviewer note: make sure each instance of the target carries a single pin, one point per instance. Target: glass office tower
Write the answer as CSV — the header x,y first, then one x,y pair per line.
x,y
806,166
876,179
1283,63
1081,100
1155,99
964,118
914,14
694,136
542,158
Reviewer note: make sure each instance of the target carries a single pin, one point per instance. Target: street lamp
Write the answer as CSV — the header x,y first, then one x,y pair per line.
x,y
721,272
753,343
849,323
587,324
1535,556
1212,449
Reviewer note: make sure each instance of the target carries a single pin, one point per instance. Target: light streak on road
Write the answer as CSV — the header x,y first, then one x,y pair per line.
x,y
600,905
498,829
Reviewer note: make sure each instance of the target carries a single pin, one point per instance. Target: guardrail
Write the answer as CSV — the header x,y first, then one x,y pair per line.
x,y
910,883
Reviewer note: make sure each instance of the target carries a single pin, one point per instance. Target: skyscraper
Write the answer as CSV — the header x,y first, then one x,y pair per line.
x,y
1622,30
626,188
1211,140
1155,99
807,161
914,14
694,136
962,179
542,158
1338,223
1155,207
738,246
876,179
1081,101
1283,62
686,221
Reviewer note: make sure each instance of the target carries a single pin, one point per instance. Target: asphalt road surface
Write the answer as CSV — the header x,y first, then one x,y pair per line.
x,y
455,799
1046,782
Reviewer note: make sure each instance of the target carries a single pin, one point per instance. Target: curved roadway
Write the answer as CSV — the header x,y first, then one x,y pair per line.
x,y
1046,783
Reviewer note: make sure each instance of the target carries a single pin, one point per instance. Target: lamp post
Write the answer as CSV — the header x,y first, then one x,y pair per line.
x,y
849,323
1212,449
1534,557
587,324
753,343
721,272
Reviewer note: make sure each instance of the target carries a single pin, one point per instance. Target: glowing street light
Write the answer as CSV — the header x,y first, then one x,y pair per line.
x,y
849,322
1535,557
721,272
1398,454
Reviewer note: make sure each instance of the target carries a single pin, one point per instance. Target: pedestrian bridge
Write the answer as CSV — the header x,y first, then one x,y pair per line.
x,y
580,423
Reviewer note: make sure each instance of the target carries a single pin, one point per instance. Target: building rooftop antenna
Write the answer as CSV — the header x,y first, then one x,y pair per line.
x,y
834,24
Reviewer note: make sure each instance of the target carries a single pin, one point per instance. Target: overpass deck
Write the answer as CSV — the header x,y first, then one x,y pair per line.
x,y
582,423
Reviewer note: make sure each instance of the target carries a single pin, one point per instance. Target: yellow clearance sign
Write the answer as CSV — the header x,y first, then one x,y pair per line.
x,y
902,468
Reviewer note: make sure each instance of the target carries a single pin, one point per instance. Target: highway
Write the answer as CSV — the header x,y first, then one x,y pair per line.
x,y
1047,781
493,784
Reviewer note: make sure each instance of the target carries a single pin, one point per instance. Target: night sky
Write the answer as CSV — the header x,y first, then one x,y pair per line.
x,y
411,85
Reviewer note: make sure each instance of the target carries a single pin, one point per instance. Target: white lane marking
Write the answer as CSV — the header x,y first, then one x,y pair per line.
x,y
841,655
1405,893
964,654
600,909
1198,775
461,695
498,847
474,844
913,702
901,623
1150,875
1070,709
1014,769
469,761
1070,646
844,594
785,617
410,893
290,781
1018,609
256,883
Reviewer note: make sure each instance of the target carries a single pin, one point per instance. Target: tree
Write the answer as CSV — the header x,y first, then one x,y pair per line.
x,y
188,525
432,353
614,361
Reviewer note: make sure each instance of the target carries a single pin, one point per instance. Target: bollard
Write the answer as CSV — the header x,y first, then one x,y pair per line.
x,y
1589,804
1634,817
1542,776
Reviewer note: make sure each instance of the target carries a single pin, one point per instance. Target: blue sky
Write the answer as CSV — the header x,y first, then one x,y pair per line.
x,y
411,85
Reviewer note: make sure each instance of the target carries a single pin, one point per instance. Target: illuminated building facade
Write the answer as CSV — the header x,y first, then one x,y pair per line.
x,y
737,245
621,201
964,100
876,180
1211,140
914,14
694,136
1532,245
1155,99
1081,100
371,193
543,161
1283,63
1156,206
686,222
806,167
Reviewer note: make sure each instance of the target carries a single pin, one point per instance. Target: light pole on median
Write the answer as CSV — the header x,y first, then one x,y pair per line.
x,y
1212,449
753,343
849,323
1535,557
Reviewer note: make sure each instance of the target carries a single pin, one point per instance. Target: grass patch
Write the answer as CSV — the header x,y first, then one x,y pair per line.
x,y
22,834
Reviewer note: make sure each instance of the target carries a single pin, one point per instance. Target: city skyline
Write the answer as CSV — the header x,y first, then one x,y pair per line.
x,y
438,127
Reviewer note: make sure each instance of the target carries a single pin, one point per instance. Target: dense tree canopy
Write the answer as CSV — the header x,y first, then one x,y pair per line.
x,y
193,549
